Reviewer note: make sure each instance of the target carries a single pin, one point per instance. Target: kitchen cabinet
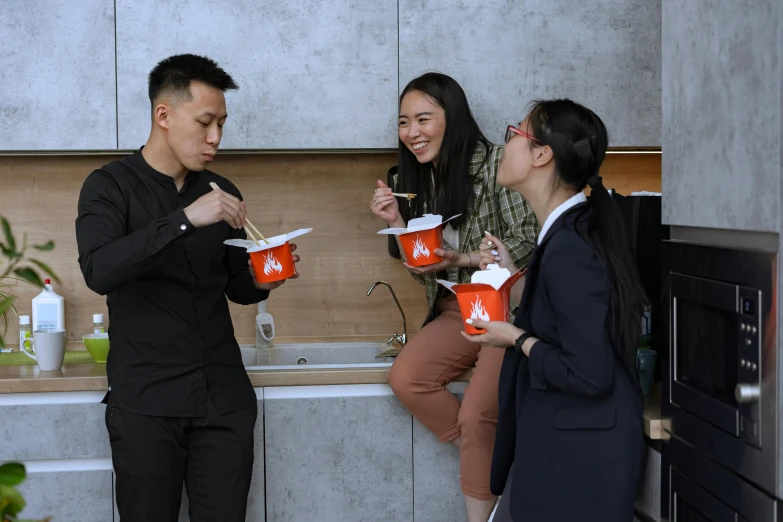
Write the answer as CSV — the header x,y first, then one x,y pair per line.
x,y
721,74
323,75
605,54
310,74
337,453
58,90
437,496
68,496
322,453
55,430
256,509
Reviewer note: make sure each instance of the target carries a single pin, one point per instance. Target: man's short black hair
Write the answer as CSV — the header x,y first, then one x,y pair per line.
x,y
174,74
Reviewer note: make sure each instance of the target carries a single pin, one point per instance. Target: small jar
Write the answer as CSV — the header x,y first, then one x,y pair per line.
x,y
97,324
25,331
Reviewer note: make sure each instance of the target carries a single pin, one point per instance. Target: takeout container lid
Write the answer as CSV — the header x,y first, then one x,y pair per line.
x,y
426,222
276,241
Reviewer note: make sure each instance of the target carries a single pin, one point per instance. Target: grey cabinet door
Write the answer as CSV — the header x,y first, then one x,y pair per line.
x,y
70,426
722,114
337,454
311,75
437,494
68,496
605,54
256,501
58,87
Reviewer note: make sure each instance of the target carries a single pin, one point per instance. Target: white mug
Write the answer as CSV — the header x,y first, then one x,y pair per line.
x,y
48,349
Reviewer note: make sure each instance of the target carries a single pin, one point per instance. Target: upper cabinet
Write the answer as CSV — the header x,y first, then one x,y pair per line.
x,y
311,75
327,74
722,114
58,88
605,54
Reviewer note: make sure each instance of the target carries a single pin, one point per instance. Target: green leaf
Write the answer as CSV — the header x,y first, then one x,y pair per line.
x,y
43,266
12,473
46,246
5,305
29,275
11,501
9,237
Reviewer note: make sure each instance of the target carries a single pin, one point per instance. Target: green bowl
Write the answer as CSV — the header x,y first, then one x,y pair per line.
x,y
98,346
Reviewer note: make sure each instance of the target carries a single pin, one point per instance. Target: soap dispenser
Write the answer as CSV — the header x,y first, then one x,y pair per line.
x,y
48,309
265,326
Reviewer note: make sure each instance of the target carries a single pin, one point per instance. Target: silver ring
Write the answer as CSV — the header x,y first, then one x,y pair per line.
x,y
376,201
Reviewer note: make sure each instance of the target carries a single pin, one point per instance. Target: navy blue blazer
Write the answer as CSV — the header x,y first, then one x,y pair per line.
x,y
570,415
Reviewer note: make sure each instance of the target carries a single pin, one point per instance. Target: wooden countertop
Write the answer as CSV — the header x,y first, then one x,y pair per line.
x,y
92,377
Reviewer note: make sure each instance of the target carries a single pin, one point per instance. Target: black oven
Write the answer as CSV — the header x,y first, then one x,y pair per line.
x,y
699,490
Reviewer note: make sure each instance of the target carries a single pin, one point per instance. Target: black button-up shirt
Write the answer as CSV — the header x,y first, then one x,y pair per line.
x,y
166,282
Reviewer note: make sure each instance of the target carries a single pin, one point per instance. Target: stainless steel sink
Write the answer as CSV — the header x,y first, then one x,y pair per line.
x,y
309,356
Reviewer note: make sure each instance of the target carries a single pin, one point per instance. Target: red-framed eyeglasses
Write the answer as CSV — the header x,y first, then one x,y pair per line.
x,y
511,131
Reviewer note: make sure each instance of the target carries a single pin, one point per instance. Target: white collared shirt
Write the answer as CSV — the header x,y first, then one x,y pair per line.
x,y
574,200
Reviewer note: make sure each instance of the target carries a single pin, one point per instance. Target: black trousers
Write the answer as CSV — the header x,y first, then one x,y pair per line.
x,y
153,456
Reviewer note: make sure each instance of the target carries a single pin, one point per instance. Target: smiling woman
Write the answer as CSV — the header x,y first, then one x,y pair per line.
x,y
447,162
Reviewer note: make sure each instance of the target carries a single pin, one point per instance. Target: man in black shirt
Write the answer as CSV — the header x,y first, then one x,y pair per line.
x,y
150,233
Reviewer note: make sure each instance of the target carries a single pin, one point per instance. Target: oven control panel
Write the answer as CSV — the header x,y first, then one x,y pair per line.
x,y
748,389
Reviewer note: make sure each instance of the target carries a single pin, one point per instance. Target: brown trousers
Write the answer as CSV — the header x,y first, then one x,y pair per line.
x,y
433,358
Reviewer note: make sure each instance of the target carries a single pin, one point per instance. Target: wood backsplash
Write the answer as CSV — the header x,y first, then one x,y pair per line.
x,y
341,258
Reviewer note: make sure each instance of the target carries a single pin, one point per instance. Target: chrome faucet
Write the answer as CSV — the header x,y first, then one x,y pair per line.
x,y
401,339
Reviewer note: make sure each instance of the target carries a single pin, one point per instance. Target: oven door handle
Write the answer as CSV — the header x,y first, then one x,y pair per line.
x,y
714,294
745,393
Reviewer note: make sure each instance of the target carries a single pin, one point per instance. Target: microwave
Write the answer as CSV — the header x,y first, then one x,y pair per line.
x,y
720,382
716,360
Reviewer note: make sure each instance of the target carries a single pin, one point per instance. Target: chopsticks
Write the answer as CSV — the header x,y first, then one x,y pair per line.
x,y
247,231
252,226
405,195
489,244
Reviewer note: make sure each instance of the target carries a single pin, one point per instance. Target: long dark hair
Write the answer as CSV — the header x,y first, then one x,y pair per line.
x,y
452,181
578,140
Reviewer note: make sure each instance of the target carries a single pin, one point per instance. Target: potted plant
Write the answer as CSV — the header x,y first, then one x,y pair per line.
x,y
15,266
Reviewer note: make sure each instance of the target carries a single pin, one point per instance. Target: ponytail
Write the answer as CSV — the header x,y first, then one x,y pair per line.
x,y
606,232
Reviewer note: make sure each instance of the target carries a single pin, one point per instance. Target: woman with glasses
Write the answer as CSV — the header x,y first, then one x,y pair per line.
x,y
445,160
570,401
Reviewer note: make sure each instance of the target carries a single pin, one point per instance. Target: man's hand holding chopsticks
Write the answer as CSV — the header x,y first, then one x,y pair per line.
x,y
214,207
